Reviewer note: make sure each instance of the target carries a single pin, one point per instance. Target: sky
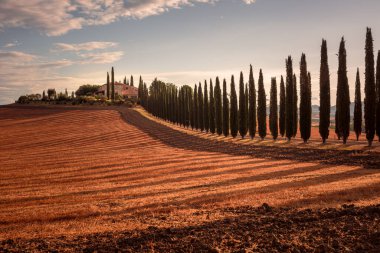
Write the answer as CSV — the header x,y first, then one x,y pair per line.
x,y
66,43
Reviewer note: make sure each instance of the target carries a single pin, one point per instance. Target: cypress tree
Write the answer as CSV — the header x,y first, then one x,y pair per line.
x,y
324,94
282,107
125,80
218,107
242,108
305,101
131,82
289,108
234,118
191,110
252,105
295,106
358,108
369,89
226,110
212,110
112,84
378,96
261,107
273,114
108,86
200,108
246,93
343,96
72,94
195,108
206,111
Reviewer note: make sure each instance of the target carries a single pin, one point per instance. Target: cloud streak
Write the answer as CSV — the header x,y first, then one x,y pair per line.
x,y
57,17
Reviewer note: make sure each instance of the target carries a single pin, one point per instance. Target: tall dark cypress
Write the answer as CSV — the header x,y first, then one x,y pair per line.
x,y
282,107
108,86
206,111
226,110
112,84
234,118
131,81
252,105
200,108
242,108
212,109
378,95
295,106
273,113
369,89
343,96
125,80
195,108
261,107
324,94
305,100
246,93
358,108
218,107
191,110
289,108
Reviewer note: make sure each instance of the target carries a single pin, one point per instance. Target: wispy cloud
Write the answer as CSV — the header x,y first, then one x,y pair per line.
x,y
100,58
57,17
87,46
12,44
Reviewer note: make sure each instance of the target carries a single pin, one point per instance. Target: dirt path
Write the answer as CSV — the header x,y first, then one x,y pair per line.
x,y
96,177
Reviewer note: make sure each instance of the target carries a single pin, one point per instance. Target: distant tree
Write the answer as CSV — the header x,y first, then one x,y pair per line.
x,y
378,95
112,84
234,120
246,93
43,95
295,106
252,105
369,89
289,106
273,114
72,94
108,86
358,108
261,107
242,108
200,108
125,80
343,95
213,110
324,94
130,82
86,90
282,107
305,100
66,93
226,110
195,108
206,111
218,107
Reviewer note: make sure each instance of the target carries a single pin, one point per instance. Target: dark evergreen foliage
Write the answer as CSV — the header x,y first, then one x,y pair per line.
x,y
273,114
206,110
369,89
378,95
200,108
112,84
218,107
358,108
261,107
252,105
289,105
212,110
305,100
108,86
324,94
295,106
195,108
343,96
234,119
282,108
242,108
131,82
226,110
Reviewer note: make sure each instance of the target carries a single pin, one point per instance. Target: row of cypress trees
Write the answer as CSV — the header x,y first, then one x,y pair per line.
x,y
212,109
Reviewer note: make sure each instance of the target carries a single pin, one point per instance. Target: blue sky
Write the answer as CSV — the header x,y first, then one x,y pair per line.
x,y
65,43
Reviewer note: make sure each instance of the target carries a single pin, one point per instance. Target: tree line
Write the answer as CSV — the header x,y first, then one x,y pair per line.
x,y
210,108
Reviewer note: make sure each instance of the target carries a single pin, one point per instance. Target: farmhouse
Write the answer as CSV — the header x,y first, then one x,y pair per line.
x,y
120,89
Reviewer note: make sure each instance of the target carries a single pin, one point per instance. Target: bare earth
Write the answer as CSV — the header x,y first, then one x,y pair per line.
x,y
119,180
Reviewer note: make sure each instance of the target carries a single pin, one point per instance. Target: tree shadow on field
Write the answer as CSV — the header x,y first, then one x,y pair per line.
x,y
182,140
